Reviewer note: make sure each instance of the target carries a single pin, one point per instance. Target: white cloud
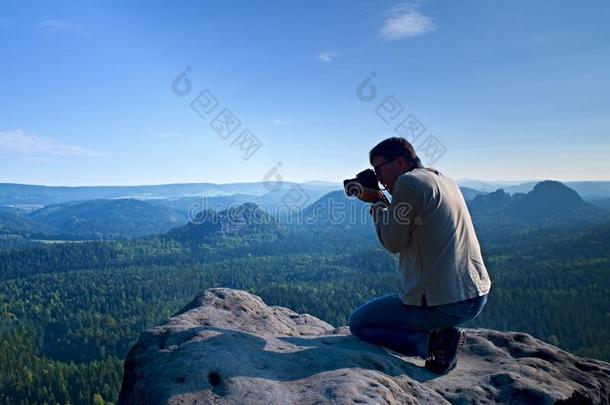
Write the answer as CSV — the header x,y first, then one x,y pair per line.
x,y
328,56
61,26
404,21
278,122
18,142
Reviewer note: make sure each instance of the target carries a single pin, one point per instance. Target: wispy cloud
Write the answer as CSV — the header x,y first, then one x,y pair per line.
x,y
278,122
19,142
328,56
405,21
35,159
61,26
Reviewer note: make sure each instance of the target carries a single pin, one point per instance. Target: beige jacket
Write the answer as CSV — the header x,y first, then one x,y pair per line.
x,y
428,223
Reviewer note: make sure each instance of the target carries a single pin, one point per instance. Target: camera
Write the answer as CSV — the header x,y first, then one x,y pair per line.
x,y
366,178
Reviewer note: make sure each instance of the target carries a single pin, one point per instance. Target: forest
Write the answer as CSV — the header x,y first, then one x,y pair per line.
x,y
71,311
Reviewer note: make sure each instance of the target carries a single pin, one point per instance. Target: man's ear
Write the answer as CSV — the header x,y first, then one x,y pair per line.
x,y
405,165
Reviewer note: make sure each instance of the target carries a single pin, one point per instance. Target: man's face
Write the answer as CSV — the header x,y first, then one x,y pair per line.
x,y
388,170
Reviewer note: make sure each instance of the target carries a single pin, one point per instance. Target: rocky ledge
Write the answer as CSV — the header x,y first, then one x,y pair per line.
x,y
228,346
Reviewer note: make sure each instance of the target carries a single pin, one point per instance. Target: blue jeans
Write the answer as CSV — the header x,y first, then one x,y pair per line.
x,y
406,328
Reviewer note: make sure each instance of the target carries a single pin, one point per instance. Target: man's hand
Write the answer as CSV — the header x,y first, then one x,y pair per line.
x,y
370,195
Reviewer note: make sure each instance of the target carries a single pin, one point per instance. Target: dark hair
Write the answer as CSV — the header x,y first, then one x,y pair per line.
x,y
394,147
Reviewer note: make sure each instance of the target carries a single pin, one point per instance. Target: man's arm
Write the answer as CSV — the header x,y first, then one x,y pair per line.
x,y
395,222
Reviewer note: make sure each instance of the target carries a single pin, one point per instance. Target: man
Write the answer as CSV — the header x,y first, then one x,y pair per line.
x,y
444,281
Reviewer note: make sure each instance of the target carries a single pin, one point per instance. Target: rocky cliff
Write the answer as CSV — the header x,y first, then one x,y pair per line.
x,y
228,346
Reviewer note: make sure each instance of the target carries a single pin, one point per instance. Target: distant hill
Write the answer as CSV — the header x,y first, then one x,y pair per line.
x,y
246,222
485,203
292,198
106,219
602,203
549,203
470,193
552,202
489,186
336,208
216,203
588,190
15,222
25,194
81,213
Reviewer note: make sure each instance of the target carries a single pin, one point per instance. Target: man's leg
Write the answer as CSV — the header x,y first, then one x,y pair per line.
x,y
458,313
447,342
404,328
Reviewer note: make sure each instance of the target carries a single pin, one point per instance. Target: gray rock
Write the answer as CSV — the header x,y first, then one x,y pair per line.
x,y
228,346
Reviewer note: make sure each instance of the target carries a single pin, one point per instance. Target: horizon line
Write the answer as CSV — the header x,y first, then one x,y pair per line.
x,y
464,179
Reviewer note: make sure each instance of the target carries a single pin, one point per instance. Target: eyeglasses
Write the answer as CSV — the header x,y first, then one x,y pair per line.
x,y
376,168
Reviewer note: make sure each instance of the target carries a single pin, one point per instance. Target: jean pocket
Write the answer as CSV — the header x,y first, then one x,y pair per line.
x,y
464,309
457,309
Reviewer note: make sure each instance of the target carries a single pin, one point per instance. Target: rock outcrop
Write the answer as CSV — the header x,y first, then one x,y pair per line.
x,y
228,346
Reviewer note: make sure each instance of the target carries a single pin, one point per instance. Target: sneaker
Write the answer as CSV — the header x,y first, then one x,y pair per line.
x,y
444,345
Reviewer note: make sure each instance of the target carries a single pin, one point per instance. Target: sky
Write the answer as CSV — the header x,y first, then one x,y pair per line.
x,y
153,92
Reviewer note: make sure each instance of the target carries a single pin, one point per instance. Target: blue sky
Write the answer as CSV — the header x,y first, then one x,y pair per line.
x,y
503,90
